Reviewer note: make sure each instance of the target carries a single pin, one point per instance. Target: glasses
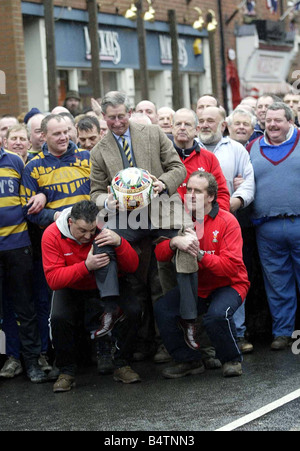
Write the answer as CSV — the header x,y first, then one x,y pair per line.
x,y
120,117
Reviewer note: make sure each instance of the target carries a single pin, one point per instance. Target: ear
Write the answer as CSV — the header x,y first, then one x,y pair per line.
x,y
211,199
224,125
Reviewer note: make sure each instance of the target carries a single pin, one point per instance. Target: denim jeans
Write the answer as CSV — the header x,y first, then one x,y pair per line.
x,y
218,310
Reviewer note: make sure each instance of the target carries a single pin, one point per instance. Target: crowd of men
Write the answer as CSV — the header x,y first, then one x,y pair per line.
x,y
75,282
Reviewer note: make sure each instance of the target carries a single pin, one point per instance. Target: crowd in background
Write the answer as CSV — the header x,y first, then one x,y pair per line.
x,y
50,162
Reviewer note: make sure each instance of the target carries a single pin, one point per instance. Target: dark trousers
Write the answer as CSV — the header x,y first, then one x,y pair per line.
x,y
187,282
73,308
218,310
16,277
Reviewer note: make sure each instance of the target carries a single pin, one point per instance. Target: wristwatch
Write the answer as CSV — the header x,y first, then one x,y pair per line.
x,y
200,255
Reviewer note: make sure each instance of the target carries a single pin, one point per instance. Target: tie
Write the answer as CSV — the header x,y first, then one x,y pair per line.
x,y
126,149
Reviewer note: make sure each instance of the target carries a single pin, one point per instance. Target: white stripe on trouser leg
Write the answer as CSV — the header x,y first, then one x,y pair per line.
x,y
230,330
49,319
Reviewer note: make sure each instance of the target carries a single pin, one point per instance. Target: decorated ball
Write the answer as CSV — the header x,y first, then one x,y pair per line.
x,y
133,188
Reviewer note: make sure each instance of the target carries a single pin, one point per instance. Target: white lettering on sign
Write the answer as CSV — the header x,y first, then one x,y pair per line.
x,y
109,45
165,45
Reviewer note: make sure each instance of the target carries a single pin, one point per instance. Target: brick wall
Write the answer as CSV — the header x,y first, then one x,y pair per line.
x,y
12,58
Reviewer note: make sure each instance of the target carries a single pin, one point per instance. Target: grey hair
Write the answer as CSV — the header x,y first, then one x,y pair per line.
x,y
288,112
142,116
114,99
30,120
251,116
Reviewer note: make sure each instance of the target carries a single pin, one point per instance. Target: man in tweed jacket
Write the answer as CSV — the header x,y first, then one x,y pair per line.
x,y
150,149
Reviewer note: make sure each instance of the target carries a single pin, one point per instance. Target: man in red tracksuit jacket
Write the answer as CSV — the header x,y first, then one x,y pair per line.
x,y
222,284
84,285
194,158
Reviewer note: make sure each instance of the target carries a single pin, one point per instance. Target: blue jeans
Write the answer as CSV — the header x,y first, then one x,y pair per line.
x,y
278,242
218,310
239,320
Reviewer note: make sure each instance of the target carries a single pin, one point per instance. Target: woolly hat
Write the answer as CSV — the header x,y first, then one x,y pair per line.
x,y
31,113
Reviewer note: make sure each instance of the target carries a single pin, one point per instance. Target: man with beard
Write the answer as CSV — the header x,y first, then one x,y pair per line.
x,y
233,157
72,102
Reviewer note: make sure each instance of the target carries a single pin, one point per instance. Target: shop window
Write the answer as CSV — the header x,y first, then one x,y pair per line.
x,y
85,85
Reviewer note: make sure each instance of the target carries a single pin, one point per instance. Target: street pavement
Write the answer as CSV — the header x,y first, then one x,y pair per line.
x,y
188,405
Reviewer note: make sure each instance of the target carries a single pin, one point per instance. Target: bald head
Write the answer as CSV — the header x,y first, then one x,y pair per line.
x,y
206,101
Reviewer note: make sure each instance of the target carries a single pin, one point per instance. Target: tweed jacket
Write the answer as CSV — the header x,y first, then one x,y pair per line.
x,y
153,151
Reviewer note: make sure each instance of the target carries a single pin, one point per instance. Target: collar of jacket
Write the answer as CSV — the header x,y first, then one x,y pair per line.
x,y
70,150
184,153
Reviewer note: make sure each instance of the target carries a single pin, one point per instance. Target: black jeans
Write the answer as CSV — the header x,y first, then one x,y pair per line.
x,y
16,283
72,308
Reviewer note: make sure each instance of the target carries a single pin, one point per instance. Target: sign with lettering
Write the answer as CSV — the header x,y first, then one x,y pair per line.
x,y
109,45
118,48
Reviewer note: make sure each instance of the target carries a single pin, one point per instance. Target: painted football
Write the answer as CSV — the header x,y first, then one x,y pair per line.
x,y
133,188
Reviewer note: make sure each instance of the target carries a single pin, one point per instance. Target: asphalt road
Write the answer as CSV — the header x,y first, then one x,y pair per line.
x,y
204,402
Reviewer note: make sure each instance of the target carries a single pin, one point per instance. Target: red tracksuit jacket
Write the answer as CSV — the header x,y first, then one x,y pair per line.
x,y
203,160
63,261
222,265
